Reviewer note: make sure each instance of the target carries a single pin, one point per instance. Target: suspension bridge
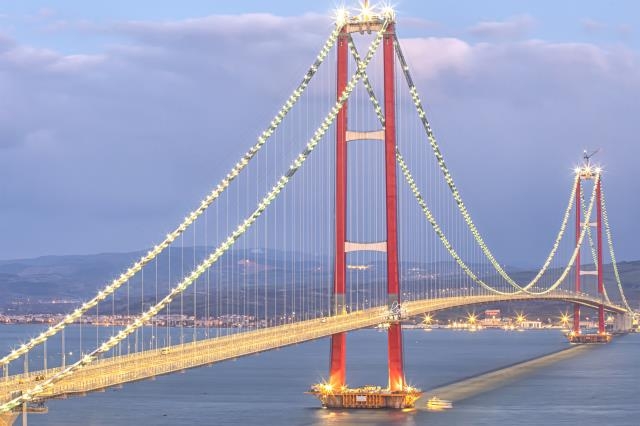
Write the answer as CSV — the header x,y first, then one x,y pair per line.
x,y
290,247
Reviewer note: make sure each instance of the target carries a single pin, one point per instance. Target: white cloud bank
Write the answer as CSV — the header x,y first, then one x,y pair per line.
x,y
523,108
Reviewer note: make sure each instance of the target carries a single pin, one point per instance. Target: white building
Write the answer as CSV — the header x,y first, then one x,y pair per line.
x,y
531,324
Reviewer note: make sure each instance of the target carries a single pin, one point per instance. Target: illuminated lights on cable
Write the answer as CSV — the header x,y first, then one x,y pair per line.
x,y
457,197
217,253
453,253
272,195
476,233
592,246
450,180
367,84
388,12
607,229
171,237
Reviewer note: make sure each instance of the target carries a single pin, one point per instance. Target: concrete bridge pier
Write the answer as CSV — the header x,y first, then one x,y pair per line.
x,y
622,323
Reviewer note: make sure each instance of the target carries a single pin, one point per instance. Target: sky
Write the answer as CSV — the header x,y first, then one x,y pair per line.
x,y
97,96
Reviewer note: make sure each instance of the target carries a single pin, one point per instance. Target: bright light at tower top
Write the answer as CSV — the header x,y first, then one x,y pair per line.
x,y
364,13
588,170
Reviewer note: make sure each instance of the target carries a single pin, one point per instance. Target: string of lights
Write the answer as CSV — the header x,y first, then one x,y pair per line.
x,y
456,194
452,252
217,253
592,247
367,83
189,220
438,229
607,229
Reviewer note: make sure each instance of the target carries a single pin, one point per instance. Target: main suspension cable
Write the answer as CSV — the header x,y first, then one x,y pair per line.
x,y
464,212
453,253
594,254
607,229
456,194
205,203
29,395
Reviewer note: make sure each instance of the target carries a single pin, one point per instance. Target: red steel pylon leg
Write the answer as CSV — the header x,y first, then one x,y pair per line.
x,y
601,326
396,369
337,369
338,372
576,307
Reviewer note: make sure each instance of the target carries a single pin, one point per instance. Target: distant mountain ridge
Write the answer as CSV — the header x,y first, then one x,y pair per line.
x,y
72,278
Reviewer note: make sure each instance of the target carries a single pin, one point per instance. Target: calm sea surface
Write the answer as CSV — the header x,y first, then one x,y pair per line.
x,y
597,387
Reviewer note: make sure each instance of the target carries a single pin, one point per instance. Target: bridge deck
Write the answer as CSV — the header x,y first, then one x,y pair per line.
x,y
115,371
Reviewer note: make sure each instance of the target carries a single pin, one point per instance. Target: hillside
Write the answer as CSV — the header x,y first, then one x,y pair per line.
x,y
56,283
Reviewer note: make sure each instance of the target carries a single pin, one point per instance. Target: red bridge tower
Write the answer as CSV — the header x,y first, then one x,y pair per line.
x,y
335,392
585,173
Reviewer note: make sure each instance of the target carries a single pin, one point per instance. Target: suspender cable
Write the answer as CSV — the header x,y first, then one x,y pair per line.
x,y
452,252
605,220
454,191
222,186
214,256
594,253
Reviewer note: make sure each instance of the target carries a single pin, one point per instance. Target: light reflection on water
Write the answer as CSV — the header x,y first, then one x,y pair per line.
x,y
597,387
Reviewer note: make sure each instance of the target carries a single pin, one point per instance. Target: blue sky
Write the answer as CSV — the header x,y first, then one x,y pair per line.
x,y
31,21
95,95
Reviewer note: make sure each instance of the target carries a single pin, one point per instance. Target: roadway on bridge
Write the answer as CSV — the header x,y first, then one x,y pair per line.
x,y
119,370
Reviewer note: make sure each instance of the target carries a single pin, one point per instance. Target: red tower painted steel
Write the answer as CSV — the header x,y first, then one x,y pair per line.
x,y
337,372
601,326
587,172
396,370
576,307
335,393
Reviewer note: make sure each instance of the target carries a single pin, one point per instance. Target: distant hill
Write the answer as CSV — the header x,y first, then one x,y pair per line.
x,y
55,283
52,283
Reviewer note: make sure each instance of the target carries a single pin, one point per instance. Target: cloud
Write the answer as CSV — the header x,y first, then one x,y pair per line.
x,y
410,22
445,55
624,30
592,26
45,12
176,103
595,27
76,63
528,109
238,29
513,28
5,42
107,151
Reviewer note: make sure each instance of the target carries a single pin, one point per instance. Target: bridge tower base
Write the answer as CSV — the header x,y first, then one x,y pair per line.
x,y
367,397
589,338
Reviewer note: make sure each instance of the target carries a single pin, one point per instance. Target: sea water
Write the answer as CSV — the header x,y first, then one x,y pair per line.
x,y
599,387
